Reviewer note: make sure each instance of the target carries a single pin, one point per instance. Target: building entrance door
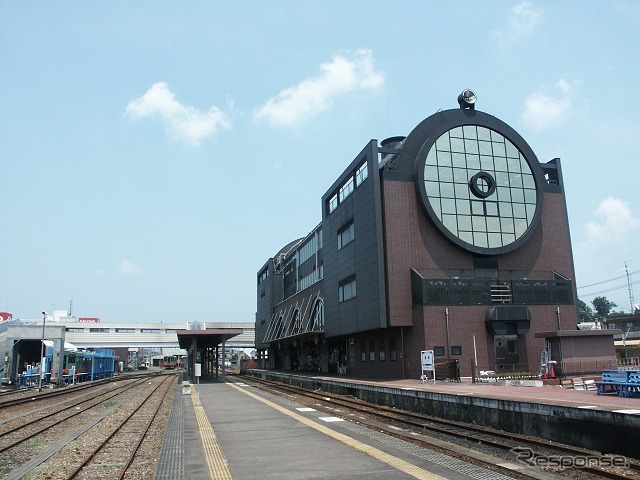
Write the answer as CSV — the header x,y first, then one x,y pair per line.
x,y
506,347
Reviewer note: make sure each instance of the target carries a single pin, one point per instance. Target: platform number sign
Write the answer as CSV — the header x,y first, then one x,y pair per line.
x,y
427,361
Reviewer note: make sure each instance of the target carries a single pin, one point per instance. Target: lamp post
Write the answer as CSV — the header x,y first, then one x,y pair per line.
x,y
42,351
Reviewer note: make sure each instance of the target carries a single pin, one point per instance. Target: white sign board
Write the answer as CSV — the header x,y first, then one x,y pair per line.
x,y
427,361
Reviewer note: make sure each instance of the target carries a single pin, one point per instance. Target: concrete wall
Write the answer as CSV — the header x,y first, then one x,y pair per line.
x,y
603,431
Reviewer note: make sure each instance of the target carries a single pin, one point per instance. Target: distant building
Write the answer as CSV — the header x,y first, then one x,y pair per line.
x,y
454,239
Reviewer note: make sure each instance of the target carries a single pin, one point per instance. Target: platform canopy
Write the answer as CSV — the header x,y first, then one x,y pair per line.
x,y
207,338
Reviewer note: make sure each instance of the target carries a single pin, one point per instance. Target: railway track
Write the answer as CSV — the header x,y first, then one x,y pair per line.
x,y
97,435
9,398
435,433
124,442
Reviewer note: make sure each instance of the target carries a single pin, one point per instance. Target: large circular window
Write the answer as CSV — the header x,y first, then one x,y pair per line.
x,y
479,189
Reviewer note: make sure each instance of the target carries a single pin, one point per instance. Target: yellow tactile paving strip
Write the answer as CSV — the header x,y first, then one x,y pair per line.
x,y
218,468
395,462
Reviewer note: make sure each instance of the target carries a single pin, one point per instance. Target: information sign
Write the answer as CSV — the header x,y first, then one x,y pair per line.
x,y
428,365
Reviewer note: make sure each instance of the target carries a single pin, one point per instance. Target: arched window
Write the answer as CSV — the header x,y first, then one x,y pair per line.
x,y
296,323
279,327
317,316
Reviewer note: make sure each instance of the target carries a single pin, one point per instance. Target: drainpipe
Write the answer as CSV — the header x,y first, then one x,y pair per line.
x,y
446,318
560,342
402,350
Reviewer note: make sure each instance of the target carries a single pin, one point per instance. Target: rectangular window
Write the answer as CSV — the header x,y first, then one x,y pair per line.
x,y
171,330
333,203
75,330
381,351
263,275
346,235
149,330
98,330
125,330
393,353
456,350
438,351
363,351
372,351
347,289
346,189
361,174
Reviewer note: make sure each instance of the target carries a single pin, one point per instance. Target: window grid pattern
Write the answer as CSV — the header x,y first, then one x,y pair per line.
x,y
346,236
361,174
355,180
308,250
493,219
318,316
346,189
347,290
308,280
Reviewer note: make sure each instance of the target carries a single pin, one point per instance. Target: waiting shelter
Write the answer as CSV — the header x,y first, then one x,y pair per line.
x,y
203,351
579,352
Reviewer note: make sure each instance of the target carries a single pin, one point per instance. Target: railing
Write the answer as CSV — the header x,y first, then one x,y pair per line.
x,y
631,363
501,293
507,288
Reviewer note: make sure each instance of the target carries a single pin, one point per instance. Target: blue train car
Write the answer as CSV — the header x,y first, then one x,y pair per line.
x,y
104,363
78,366
88,365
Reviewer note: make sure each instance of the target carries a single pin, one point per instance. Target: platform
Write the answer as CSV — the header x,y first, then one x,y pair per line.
x,y
227,430
550,395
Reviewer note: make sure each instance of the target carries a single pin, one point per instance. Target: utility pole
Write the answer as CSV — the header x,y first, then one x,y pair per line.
x,y
631,300
42,352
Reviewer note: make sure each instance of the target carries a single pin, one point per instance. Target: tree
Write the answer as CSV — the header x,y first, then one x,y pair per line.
x,y
585,312
602,306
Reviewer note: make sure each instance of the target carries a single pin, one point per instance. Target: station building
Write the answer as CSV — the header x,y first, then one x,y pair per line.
x,y
454,239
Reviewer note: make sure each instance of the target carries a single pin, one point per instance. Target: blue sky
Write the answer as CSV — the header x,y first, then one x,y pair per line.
x,y
154,155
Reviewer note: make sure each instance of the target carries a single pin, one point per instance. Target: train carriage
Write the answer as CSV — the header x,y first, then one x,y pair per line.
x,y
169,362
89,365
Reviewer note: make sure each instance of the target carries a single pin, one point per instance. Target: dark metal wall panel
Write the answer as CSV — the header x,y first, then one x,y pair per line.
x,y
363,257
269,294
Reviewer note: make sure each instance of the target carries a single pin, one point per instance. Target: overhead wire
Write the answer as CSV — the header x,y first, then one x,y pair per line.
x,y
612,289
618,288
609,280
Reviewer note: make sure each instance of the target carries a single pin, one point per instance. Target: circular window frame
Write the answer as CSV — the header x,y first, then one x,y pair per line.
x,y
460,118
475,187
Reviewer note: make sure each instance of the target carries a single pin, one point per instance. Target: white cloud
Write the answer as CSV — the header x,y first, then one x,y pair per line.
x,y
522,21
311,96
546,108
614,220
608,240
181,122
129,268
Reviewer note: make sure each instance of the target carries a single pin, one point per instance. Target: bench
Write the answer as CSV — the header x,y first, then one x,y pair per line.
x,y
624,383
632,389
